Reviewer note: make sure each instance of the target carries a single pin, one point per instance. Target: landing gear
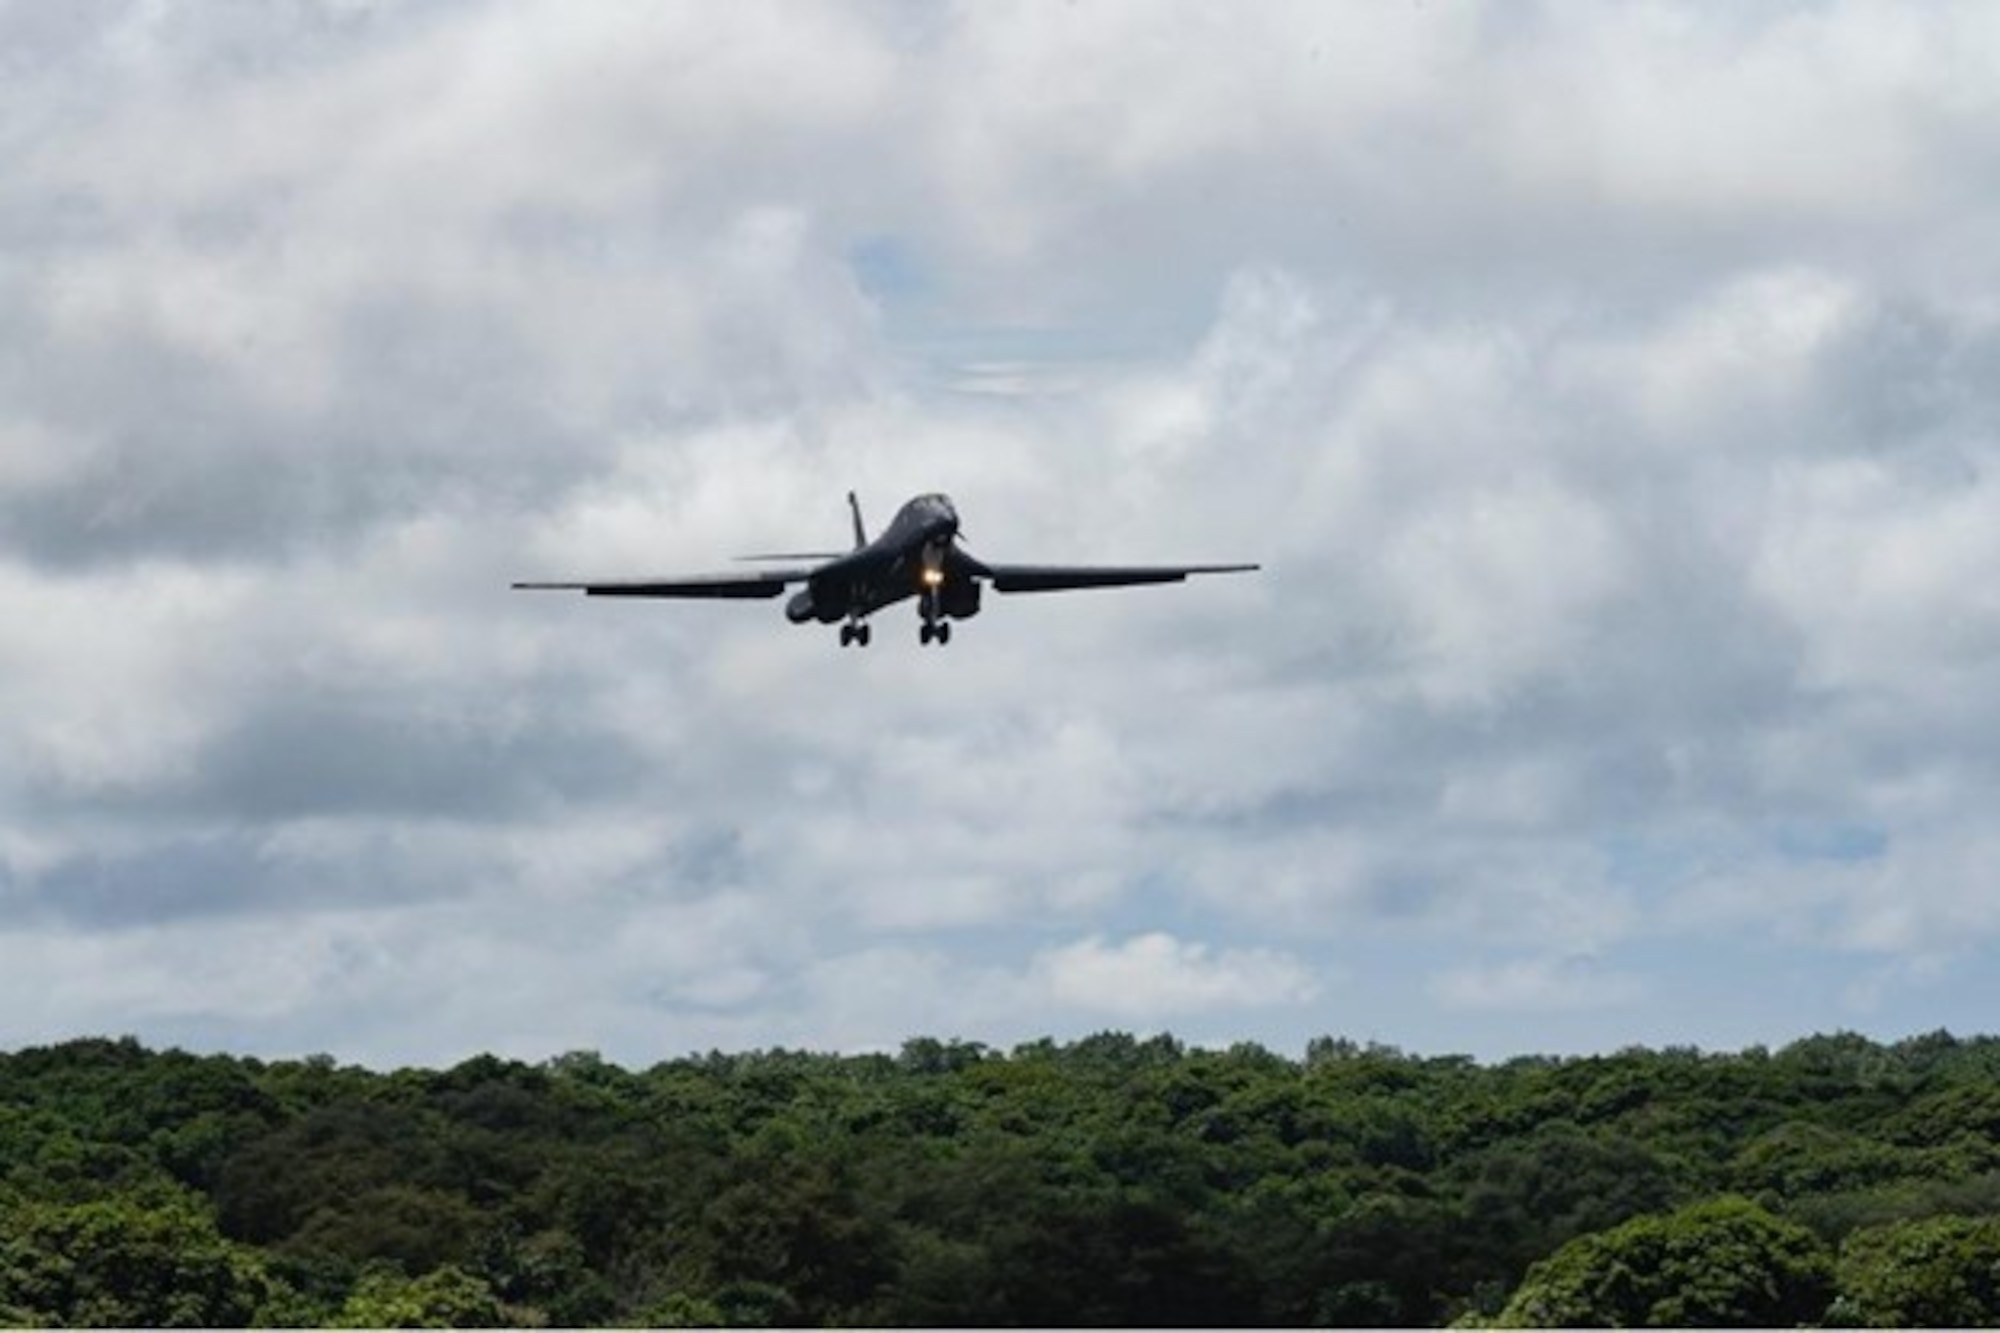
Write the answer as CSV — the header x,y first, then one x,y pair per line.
x,y
934,627
856,629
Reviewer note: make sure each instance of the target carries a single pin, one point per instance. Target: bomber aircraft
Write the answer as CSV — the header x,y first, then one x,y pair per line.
x,y
917,555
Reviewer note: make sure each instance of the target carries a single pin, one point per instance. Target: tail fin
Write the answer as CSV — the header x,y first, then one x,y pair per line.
x,y
860,532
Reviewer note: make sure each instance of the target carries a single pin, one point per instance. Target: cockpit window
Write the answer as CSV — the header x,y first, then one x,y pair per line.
x,y
929,508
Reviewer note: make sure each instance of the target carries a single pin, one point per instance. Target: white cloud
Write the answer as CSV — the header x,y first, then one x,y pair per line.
x,y
1540,984
1607,393
1882,564
106,680
1735,363
1156,978
1508,583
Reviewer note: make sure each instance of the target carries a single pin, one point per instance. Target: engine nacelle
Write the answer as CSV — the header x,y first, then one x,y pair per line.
x,y
960,599
802,608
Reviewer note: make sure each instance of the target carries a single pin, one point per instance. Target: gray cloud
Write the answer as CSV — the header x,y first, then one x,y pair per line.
x,y
1608,393
301,761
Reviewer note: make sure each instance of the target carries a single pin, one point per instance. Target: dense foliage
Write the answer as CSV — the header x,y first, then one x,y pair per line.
x,y
1110,1181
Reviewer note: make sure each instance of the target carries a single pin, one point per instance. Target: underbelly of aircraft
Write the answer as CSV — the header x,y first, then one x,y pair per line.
x,y
958,599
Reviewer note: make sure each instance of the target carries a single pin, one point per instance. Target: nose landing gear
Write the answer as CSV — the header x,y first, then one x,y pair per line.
x,y
854,632
935,628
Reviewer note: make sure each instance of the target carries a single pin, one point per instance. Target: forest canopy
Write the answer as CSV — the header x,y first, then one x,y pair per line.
x,y
1109,1181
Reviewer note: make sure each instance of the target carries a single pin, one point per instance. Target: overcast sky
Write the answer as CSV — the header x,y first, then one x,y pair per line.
x,y
1611,393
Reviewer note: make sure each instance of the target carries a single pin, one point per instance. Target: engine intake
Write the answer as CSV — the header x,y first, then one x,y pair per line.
x,y
802,608
960,599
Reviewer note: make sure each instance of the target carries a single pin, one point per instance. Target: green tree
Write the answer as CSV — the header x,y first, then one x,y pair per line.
x,y
1521,1198
1722,1264
1937,1272
1108,1180
1106,1262
1796,1159
793,1221
121,1262
680,1310
447,1297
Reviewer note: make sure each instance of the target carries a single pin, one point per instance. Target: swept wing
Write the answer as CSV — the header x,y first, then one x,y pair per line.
x,y
1062,578
759,583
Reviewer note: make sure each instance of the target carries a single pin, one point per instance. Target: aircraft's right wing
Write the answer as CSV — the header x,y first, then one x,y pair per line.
x,y
1063,578
766,583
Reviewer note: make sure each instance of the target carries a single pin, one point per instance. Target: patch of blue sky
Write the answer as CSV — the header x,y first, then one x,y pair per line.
x,y
1166,900
919,316
1082,341
1829,840
1654,862
890,271
1651,862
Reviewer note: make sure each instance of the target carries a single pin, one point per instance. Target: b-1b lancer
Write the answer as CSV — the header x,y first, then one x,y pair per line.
x,y
917,556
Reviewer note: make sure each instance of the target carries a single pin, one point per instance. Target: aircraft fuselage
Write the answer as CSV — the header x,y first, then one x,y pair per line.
x,y
913,557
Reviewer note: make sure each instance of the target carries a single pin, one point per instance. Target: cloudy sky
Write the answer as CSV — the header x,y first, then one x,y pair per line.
x,y
1611,393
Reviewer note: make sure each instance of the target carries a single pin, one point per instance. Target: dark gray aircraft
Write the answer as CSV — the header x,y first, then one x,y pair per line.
x,y
918,556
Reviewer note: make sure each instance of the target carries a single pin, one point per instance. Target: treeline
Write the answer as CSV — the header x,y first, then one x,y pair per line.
x,y
1111,1181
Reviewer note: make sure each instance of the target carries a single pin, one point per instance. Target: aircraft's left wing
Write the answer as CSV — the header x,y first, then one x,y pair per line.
x,y
1062,578
764,583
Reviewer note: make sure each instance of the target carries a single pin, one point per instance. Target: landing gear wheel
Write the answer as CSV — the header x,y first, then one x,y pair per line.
x,y
944,633
925,632
861,635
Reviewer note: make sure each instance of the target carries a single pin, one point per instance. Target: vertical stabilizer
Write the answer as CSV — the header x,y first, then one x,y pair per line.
x,y
860,532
